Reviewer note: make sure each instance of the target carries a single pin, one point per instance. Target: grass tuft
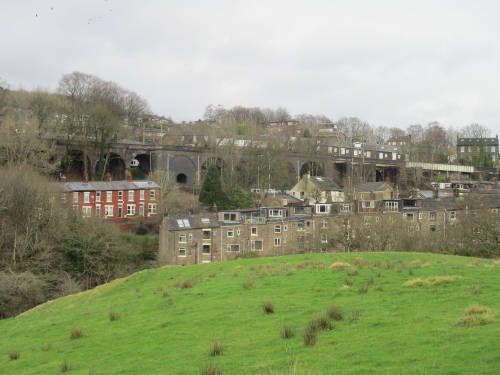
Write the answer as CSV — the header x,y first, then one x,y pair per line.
x,y
323,323
355,315
477,315
311,333
268,307
363,289
339,265
46,347
287,332
14,355
186,284
353,272
335,313
249,284
476,289
114,315
76,332
216,349
65,366
211,369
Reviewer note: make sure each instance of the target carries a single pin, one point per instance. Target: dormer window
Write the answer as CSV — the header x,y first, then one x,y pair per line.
x,y
274,212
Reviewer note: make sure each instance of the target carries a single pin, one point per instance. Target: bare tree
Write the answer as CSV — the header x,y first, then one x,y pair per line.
x,y
475,130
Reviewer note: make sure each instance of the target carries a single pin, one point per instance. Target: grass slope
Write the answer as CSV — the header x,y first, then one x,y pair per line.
x,y
401,315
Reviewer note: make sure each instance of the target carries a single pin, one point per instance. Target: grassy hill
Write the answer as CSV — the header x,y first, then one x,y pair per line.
x,y
402,313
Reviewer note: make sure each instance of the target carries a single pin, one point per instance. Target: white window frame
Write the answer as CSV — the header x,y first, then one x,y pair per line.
x,y
86,211
120,210
182,252
230,233
324,237
277,228
277,241
75,197
97,196
120,196
261,247
420,215
141,195
98,210
285,228
152,195
182,238
86,197
230,248
365,205
109,210
392,206
152,209
453,215
274,212
130,195
131,209
109,196
253,231
141,209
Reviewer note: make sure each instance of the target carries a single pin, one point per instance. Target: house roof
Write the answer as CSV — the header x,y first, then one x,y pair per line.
x,y
112,185
368,187
477,141
325,184
205,220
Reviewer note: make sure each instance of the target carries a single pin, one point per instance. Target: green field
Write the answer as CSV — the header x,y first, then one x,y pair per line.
x,y
387,327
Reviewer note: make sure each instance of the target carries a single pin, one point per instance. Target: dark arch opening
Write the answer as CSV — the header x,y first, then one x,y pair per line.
x,y
311,167
116,167
141,172
73,167
181,178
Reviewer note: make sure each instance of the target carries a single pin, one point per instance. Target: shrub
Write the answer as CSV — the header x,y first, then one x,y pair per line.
x,y
186,284
287,332
477,315
268,307
216,349
65,366
114,315
353,272
211,369
76,332
311,333
14,355
335,313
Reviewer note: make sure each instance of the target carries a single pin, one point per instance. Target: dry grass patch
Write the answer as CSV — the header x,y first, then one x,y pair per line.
x,y
211,369
65,366
216,349
476,289
14,355
186,284
434,280
113,315
335,313
477,315
353,272
360,262
337,265
287,332
345,287
268,307
249,284
76,332
416,282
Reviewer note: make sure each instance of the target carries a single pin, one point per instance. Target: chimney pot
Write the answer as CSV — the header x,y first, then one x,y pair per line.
x,y
86,177
63,177
129,176
108,177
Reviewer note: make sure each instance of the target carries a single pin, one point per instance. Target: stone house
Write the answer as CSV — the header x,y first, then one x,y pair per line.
x,y
316,189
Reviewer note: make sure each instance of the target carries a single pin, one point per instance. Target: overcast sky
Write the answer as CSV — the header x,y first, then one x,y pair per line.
x,y
390,63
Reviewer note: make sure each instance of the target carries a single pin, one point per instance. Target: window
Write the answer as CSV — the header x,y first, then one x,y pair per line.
x,y
120,210
300,242
75,197
322,208
453,215
152,195
130,209
182,238
285,228
391,206
182,251
206,234
277,241
324,238
275,212
277,229
420,216
345,207
120,195
300,210
152,208
368,154
476,230
190,236
257,245
109,196
86,211
492,148
380,155
206,249
368,204
229,216
238,231
98,210
330,149
432,216
300,225
131,195
86,197
108,210
230,233
233,248
409,216
494,211
141,209
97,196
342,151
462,149
253,231
141,195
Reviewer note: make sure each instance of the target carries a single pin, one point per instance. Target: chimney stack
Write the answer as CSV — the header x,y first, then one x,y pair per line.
x,y
63,177
284,201
129,176
150,176
108,177
86,177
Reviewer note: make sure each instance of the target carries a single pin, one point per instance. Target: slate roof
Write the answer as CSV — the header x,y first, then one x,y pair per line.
x,y
325,184
197,221
477,141
368,187
112,185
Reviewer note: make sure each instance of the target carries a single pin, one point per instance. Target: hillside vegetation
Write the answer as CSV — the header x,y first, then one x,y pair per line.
x,y
358,313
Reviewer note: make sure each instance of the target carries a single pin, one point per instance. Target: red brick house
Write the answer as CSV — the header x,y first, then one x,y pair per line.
x,y
113,200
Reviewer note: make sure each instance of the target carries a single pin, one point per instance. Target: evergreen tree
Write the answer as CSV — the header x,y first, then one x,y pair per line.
x,y
211,190
239,199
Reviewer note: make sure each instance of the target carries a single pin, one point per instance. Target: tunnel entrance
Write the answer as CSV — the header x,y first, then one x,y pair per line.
x,y
181,178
